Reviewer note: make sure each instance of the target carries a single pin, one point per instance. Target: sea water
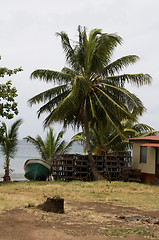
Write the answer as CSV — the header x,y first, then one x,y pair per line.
x,y
25,151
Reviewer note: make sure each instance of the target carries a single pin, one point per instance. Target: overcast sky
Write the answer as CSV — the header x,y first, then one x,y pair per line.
x,y
27,39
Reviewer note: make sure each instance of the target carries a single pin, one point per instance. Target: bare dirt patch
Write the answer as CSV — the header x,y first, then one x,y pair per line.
x,y
81,220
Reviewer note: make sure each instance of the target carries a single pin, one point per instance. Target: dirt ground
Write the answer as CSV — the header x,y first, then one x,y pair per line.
x,y
81,221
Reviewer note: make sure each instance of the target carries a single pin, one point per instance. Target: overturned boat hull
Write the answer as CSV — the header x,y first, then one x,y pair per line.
x,y
37,169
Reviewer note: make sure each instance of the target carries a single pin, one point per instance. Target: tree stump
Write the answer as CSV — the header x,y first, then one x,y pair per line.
x,y
54,204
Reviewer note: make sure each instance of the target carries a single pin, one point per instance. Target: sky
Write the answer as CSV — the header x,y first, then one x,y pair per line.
x,y
27,39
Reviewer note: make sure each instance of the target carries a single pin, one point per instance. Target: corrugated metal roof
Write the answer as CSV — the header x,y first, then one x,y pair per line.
x,y
150,145
145,139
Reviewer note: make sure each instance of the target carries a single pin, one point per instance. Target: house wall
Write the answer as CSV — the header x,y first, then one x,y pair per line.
x,y
157,165
157,155
148,167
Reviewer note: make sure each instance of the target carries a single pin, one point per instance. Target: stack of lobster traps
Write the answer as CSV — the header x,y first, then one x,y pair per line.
x,y
67,167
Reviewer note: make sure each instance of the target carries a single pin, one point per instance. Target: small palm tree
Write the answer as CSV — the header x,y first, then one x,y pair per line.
x,y
8,143
51,146
130,129
104,140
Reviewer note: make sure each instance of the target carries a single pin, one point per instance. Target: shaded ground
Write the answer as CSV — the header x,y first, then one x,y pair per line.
x,y
81,221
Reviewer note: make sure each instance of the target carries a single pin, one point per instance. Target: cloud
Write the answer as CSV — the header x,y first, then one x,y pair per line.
x,y
27,39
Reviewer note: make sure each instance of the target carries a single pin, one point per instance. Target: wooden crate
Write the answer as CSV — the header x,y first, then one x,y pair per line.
x,y
131,175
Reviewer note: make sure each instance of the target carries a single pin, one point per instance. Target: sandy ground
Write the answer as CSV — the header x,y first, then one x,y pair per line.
x,y
81,221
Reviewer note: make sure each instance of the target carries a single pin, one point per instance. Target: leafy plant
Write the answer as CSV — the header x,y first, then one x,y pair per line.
x,y
8,105
31,205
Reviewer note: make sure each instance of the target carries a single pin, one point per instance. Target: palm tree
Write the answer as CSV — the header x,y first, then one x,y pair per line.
x,y
8,144
130,129
51,146
89,90
104,140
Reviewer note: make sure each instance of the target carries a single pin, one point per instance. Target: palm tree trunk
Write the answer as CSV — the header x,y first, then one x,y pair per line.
x,y
6,177
106,164
95,172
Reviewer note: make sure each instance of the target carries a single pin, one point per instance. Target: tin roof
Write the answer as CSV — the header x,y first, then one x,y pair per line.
x,y
145,139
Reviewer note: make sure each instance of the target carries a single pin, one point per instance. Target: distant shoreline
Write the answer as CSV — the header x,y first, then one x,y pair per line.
x,y
14,177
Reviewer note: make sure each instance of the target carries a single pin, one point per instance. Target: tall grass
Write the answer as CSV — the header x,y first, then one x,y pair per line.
x,y
20,194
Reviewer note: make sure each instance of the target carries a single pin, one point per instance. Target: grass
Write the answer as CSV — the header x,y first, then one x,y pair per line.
x,y
121,233
20,194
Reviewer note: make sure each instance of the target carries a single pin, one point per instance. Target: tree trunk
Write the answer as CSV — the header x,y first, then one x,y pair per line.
x,y
106,164
95,172
6,177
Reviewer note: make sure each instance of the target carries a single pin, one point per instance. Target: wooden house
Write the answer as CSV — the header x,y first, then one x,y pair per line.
x,y
146,158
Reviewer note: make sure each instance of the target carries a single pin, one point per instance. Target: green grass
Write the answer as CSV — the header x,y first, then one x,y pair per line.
x,y
20,194
121,233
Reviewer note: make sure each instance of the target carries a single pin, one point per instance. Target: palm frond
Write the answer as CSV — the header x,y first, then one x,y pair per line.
x,y
114,102
141,127
103,50
59,137
116,126
69,71
80,87
67,147
50,75
9,139
49,106
37,142
92,109
69,51
48,94
133,103
60,147
119,64
79,137
12,133
135,79
65,110
50,146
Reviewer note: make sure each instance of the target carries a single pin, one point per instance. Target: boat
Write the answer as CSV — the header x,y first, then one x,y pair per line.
x,y
37,169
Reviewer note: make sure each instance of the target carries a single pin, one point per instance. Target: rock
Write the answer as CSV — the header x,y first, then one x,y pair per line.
x,y
122,217
156,222
148,220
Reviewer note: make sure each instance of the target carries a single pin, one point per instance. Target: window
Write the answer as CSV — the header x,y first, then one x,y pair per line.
x,y
143,154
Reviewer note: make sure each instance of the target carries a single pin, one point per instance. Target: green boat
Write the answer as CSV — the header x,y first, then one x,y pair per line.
x,y
37,169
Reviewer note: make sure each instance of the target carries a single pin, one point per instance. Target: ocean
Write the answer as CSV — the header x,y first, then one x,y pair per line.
x,y
26,151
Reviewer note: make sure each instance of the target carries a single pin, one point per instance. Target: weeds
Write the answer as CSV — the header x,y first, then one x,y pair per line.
x,y
31,205
121,232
